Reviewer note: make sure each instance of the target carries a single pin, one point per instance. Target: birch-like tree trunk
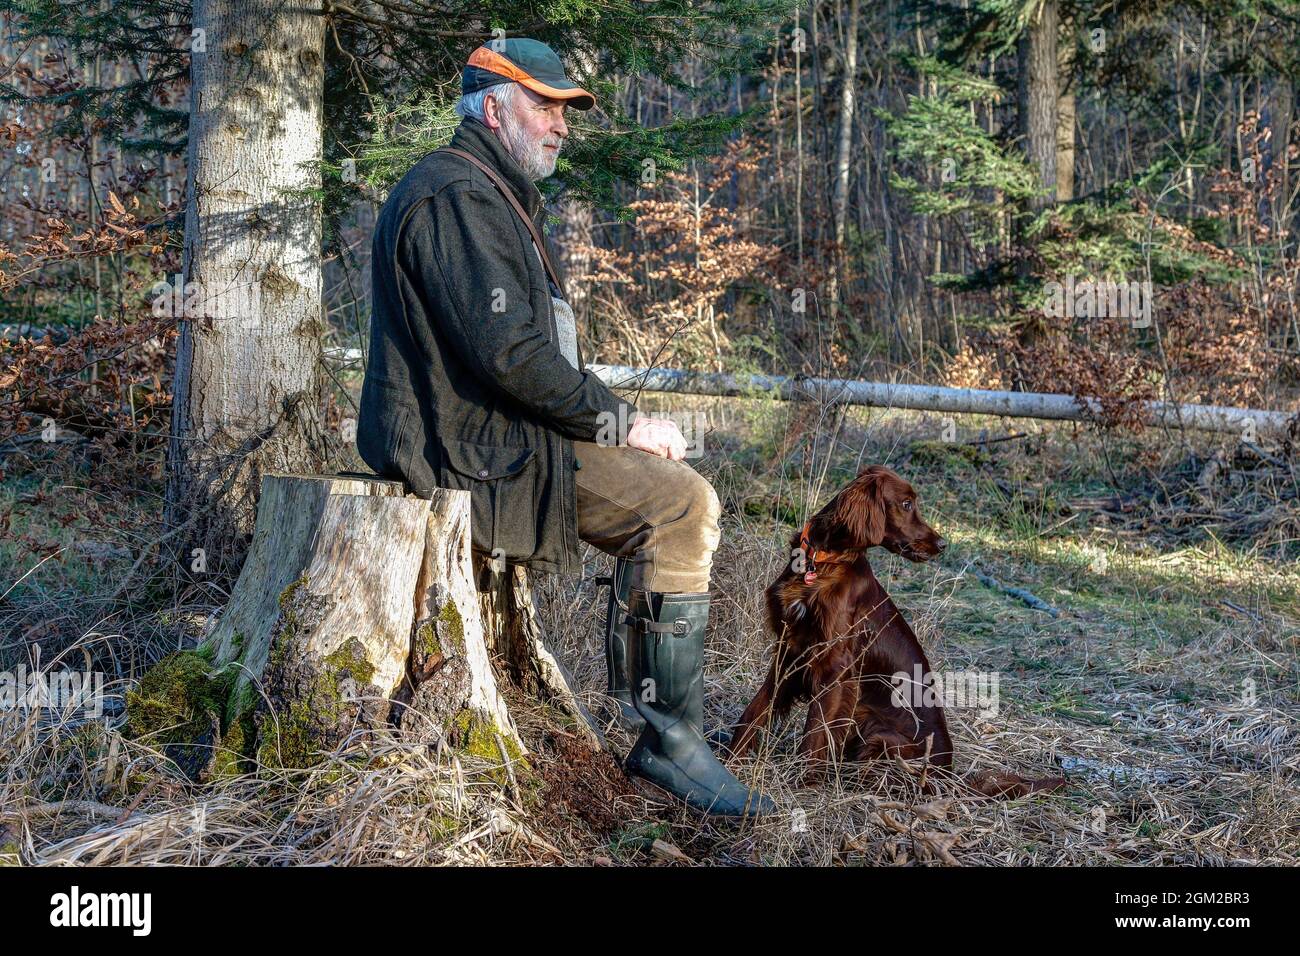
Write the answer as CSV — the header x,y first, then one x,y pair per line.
x,y
247,379
574,240
844,150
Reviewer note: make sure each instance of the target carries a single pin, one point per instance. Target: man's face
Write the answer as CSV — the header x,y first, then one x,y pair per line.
x,y
532,129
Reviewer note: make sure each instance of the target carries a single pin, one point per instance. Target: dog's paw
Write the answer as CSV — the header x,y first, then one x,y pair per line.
x,y
796,611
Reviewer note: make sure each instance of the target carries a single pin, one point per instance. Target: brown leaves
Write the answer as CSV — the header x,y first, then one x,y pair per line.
x,y
119,231
1105,369
691,246
105,380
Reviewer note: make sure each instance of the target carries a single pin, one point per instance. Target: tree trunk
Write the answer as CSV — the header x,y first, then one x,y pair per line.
x,y
1038,95
575,239
297,516
1039,90
845,149
247,379
1065,113
798,148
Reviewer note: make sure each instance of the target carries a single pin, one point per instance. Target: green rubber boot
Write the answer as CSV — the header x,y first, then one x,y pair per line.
x,y
620,584
666,672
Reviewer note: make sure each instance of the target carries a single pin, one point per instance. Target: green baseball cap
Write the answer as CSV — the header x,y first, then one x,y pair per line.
x,y
530,63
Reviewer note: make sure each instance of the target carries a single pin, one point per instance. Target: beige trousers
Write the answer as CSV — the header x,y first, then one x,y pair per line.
x,y
661,514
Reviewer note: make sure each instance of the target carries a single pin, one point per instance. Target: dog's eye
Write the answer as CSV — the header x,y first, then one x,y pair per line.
x,y
907,505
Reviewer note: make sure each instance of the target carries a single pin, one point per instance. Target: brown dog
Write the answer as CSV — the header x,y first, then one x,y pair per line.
x,y
841,641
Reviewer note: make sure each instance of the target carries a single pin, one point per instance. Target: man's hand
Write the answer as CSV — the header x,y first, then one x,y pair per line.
x,y
658,436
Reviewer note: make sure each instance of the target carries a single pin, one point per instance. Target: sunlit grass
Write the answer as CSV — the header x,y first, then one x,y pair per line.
x,y
1170,679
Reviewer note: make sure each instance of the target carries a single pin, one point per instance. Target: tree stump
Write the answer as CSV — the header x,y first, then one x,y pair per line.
x,y
516,636
356,613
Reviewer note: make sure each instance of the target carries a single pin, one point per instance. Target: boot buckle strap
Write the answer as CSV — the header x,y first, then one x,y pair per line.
x,y
677,628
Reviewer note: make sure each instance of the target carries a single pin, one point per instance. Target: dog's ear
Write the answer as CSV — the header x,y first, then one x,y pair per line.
x,y
860,509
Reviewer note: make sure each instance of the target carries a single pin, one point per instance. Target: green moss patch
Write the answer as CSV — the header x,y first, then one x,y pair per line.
x,y
295,738
177,698
450,615
940,454
477,736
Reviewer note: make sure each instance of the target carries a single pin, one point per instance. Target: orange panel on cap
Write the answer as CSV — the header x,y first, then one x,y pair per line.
x,y
493,62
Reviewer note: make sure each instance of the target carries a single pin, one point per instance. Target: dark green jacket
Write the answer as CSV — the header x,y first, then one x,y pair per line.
x,y
466,386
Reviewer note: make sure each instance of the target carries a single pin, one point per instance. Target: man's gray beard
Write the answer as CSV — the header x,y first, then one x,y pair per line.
x,y
531,156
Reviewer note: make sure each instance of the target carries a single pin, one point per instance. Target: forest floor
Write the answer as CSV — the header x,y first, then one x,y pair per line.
x,y
1165,687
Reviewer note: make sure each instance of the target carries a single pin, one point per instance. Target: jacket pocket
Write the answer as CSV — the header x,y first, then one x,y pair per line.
x,y
502,485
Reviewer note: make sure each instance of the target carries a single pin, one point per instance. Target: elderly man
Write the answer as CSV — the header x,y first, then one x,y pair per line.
x,y
476,382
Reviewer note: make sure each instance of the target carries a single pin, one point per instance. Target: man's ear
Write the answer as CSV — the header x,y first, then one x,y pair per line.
x,y
492,111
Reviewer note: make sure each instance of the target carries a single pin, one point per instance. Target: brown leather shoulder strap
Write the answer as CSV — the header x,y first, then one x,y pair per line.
x,y
505,190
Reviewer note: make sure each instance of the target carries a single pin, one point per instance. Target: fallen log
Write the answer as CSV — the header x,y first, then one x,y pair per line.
x,y
356,614
1247,422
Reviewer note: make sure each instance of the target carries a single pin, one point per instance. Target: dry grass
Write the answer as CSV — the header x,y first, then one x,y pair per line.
x,y
1166,687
